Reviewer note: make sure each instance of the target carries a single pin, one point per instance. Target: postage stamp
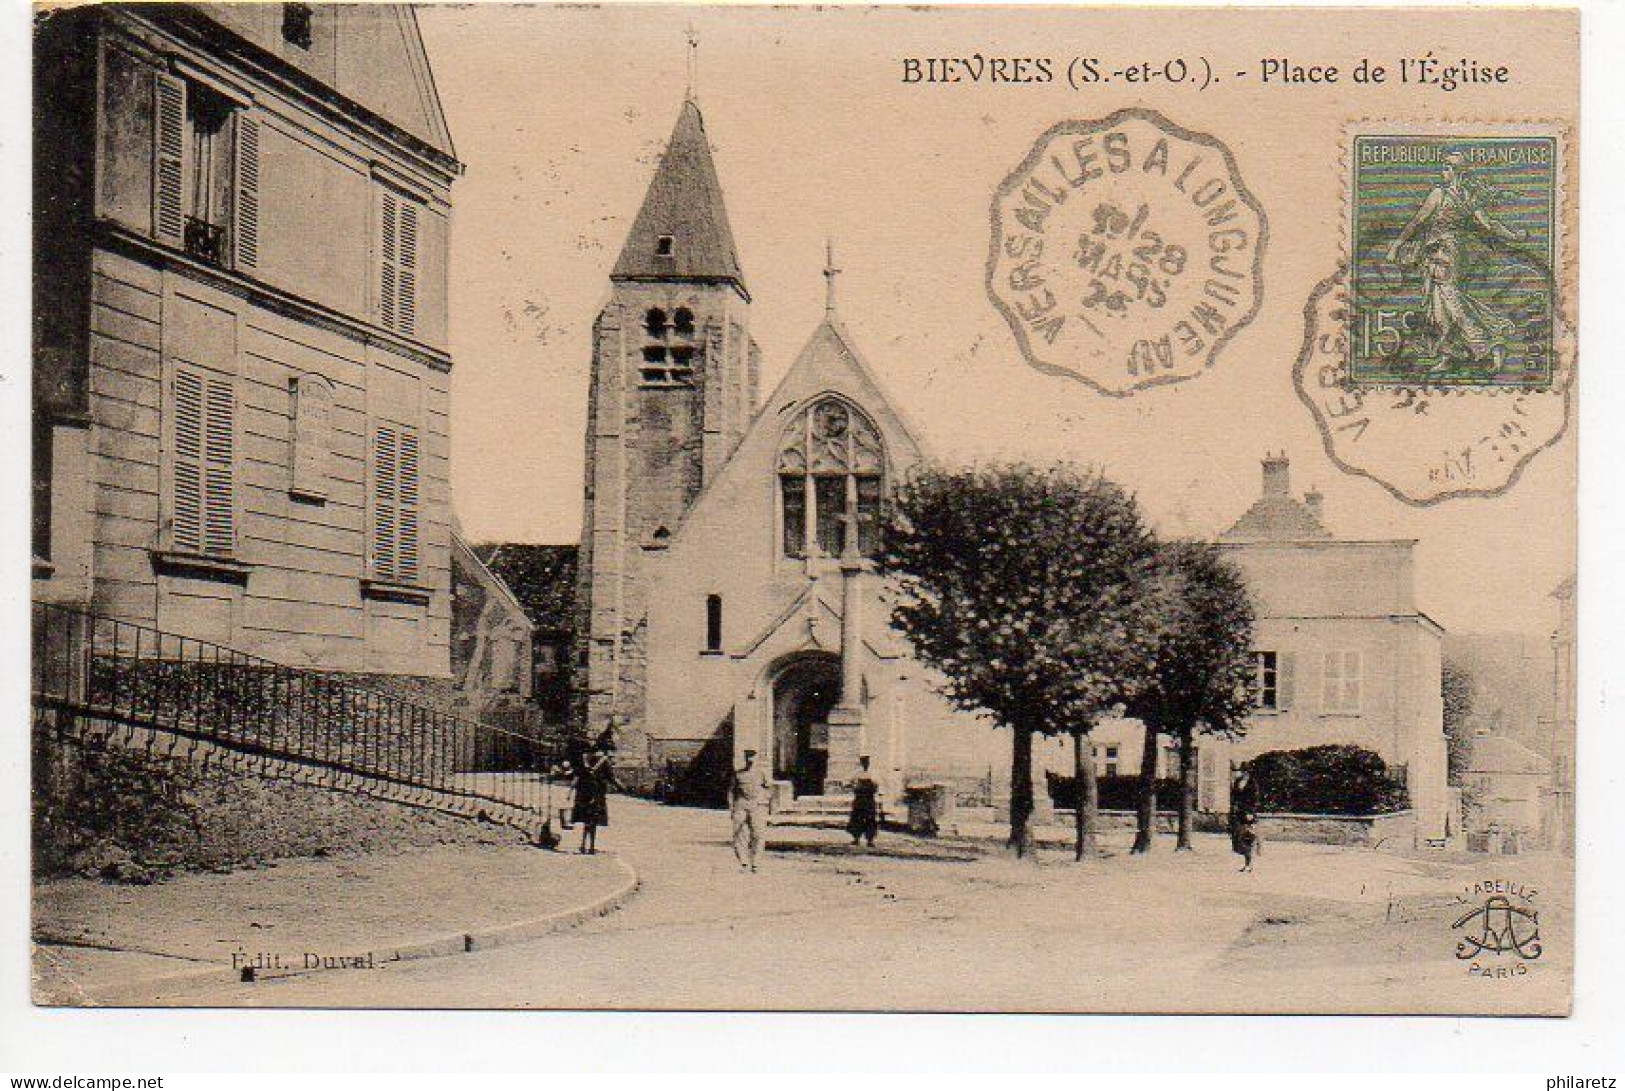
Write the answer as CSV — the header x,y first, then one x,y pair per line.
x,y
1438,360
1453,242
1125,252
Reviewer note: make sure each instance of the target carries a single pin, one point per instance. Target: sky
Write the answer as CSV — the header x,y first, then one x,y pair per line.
x,y
561,113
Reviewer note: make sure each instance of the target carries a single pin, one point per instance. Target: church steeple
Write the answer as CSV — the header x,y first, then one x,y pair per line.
x,y
682,231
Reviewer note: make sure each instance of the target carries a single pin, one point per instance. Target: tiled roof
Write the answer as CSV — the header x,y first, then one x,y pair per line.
x,y
1276,519
684,204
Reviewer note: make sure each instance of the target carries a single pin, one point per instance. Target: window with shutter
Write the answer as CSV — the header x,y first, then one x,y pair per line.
x,y
406,551
398,230
1340,682
395,503
246,206
169,158
203,517
186,463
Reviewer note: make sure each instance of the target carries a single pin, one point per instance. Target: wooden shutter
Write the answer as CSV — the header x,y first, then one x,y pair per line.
x,y
246,205
406,284
385,514
407,488
398,236
219,468
186,462
1285,679
169,157
389,221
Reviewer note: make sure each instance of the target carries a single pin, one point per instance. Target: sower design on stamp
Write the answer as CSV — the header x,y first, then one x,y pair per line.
x,y
1453,243
1125,252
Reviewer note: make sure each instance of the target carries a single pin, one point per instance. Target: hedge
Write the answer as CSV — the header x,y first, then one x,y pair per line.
x,y
1116,793
1326,780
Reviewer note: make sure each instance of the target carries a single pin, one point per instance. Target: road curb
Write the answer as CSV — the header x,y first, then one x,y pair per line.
x,y
145,992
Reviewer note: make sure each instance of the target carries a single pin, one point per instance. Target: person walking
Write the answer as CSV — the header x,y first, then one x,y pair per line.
x,y
594,778
865,820
1244,839
748,796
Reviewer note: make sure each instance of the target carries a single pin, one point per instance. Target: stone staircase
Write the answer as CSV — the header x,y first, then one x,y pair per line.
x,y
822,812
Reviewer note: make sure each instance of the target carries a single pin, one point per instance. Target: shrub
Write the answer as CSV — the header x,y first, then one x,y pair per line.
x,y
1116,793
1326,780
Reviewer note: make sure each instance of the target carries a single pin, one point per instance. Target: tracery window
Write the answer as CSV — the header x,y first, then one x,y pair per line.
x,y
831,464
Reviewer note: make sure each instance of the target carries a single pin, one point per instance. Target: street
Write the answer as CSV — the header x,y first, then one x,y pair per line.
x,y
920,925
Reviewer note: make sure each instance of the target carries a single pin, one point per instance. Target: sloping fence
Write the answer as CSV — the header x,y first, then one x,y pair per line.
x,y
102,681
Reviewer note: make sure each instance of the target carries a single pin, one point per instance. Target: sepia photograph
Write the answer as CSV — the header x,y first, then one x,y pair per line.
x,y
804,509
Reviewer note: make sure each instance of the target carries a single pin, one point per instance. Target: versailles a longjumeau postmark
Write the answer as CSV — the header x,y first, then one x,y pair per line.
x,y
1438,360
1126,251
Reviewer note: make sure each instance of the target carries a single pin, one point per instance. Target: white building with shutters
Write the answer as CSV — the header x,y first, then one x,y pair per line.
x,y
241,366
1342,654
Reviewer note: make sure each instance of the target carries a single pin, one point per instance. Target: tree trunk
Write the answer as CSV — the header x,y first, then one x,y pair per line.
x,y
1021,792
1146,817
1088,810
1187,788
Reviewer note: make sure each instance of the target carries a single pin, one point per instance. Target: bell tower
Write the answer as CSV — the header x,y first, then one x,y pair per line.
x,y
674,384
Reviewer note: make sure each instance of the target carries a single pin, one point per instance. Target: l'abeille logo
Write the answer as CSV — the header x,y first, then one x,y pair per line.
x,y
1503,924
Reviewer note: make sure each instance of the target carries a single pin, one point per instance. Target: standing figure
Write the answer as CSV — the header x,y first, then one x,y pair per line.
x,y
748,794
594,779
1432,245
865,820
1244,839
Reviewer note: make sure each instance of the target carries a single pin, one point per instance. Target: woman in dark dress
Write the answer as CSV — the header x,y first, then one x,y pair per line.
x,y
865,820
1244,819
594,778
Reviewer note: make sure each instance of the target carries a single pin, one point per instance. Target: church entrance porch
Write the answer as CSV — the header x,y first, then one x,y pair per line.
x,y
804,694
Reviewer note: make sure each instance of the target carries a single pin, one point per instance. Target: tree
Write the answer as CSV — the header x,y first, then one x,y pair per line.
x,y
1459,692
1027,589
1202,671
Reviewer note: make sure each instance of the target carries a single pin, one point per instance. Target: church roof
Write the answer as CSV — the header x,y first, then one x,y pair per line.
x,y
682,229
1277,516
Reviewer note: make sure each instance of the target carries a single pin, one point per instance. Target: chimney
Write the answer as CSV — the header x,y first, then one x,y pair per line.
x,y
1315,502
1277,479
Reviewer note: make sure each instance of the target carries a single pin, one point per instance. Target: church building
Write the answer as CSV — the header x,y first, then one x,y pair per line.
x,y
726,598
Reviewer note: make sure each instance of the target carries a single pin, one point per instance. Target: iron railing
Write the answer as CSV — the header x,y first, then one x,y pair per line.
x,y
98,679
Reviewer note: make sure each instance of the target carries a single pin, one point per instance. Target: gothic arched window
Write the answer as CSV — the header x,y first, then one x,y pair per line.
x,y
831,465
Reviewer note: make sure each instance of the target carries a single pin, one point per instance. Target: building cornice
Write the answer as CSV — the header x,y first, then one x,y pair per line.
x,y
197,29
133,245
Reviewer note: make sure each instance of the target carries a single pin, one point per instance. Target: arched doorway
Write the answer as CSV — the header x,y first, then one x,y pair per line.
x,y
803,694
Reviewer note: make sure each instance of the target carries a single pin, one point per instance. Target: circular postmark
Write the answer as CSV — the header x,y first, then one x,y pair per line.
x,y
1126,252
1424,444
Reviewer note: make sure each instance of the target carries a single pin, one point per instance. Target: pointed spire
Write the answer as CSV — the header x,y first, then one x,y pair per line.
x,y
830,273
682,231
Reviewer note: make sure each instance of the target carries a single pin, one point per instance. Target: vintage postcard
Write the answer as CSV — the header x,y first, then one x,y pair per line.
x,y
926,509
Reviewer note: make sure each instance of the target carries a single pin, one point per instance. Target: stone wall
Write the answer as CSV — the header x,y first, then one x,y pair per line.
x,y
1381,831
106,811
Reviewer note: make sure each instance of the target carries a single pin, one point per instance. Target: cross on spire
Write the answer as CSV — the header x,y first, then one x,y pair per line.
x,y
693,60
831,271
